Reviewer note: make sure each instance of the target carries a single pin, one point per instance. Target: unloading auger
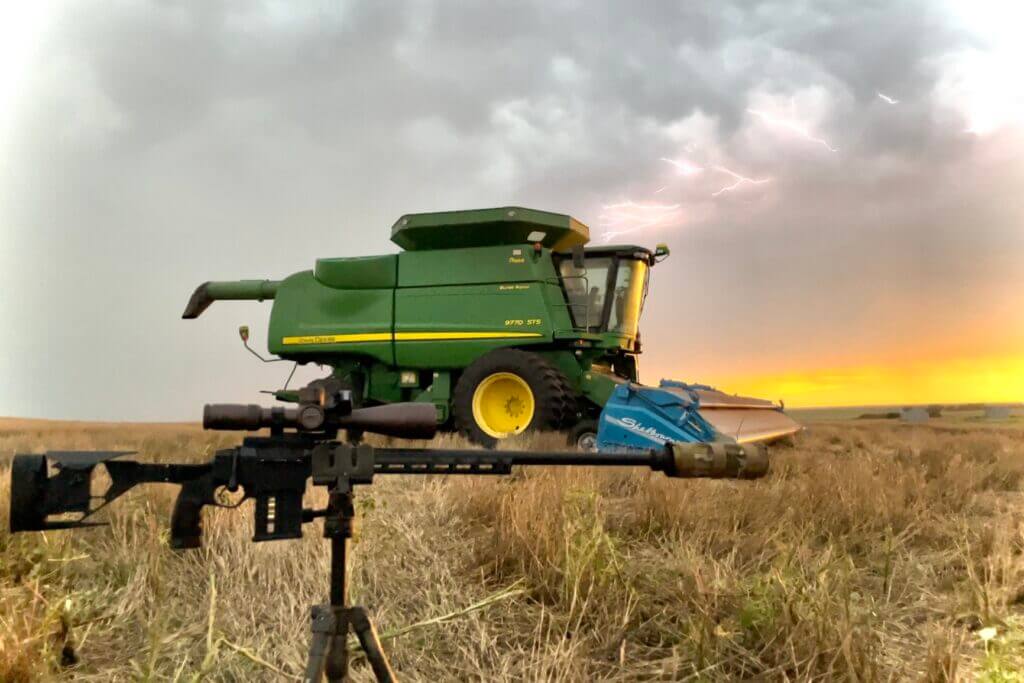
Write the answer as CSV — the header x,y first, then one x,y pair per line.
x,y
274,471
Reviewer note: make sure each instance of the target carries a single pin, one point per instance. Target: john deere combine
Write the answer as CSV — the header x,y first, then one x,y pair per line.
x,y
505,322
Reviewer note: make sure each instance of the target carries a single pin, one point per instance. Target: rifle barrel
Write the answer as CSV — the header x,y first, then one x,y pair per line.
x,y
429,461
717,460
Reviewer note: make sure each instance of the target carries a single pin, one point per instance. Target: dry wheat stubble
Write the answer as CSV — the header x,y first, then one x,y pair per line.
x,y
871,552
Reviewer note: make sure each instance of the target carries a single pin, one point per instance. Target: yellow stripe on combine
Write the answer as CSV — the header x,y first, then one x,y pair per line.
x,y
427,336
403,336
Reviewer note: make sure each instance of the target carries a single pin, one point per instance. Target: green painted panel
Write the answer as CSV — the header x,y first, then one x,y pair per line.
x,y
363,272
570,365
516,263
310,321
486,227
439,393
382,385
448,327
598,386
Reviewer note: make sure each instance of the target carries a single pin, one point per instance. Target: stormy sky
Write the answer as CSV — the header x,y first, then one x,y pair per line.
x,y
828,242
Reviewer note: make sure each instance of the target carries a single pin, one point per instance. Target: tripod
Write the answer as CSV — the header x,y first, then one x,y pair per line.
x,y
328,650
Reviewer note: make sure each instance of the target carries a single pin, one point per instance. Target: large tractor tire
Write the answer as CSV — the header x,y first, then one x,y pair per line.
x,y
507,392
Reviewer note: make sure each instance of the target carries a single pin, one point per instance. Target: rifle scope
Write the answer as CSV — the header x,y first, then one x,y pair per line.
x,y
402,420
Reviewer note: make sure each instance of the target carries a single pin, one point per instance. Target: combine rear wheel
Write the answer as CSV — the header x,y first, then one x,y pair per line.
x,y
507,392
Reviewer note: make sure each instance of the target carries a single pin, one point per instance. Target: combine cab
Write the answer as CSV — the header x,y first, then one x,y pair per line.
x,y
501,318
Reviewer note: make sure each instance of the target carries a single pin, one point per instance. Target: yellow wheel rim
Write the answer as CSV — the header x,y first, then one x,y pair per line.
x,y
503,405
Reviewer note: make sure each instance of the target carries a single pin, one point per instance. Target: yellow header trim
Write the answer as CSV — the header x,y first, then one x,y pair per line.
x,y
403,336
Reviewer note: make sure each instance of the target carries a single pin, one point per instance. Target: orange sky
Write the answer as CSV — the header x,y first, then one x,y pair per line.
x,y
940,380
908,351
982,361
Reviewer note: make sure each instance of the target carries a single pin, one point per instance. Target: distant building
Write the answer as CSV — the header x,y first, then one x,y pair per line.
x,y
997,412
914,414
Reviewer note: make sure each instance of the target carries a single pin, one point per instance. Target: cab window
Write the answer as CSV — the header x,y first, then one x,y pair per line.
x,y
585,290
630,288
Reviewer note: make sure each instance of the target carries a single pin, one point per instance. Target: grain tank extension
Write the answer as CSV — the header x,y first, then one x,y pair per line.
x,y
500,318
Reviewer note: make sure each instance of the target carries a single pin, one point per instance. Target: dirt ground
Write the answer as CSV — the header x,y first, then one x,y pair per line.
x,y
872,551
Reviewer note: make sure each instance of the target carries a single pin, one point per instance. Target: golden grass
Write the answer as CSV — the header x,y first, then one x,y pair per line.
x,y
871,552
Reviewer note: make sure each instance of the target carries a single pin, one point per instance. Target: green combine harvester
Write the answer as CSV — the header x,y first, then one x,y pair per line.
x,y
501,318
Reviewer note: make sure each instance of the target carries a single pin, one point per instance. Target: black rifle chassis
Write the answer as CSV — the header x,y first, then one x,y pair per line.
x,y
274,472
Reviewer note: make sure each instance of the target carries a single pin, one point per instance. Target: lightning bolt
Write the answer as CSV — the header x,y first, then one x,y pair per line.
x,y
887,98
684,167
793,126
627,217
740,180
630,204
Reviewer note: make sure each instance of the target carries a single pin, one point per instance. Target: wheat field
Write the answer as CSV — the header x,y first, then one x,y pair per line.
x,y
870,552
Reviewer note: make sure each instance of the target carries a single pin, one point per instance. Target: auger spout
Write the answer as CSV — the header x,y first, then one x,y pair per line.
x,y
236,290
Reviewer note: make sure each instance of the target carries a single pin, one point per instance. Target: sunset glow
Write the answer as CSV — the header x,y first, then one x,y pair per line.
x,y
955,380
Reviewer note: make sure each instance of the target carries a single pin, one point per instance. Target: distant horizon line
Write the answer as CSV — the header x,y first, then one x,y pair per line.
x,y
996,404
993,404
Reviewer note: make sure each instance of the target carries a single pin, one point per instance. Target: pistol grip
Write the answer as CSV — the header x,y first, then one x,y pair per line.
x,y
187,516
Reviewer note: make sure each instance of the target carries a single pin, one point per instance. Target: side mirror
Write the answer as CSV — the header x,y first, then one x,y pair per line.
x,y
661,252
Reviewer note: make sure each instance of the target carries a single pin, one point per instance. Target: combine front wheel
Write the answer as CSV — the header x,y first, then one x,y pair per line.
x,y
506,392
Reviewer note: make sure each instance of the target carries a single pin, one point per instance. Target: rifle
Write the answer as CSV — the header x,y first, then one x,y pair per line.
x,y
302,446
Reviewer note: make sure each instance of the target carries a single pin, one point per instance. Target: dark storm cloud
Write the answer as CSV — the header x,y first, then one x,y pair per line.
x,y
159,145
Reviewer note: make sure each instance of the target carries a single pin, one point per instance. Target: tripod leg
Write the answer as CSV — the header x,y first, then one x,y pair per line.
x,y
337,654
367,635
324,626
